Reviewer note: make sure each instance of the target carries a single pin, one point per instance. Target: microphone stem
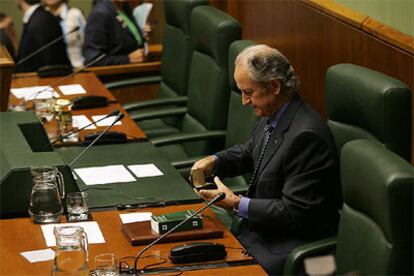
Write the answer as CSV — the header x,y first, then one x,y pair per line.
x,y
167,233
68,76
44,47
92,143
74,131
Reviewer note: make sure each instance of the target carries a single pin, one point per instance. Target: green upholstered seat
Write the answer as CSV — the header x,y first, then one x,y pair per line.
x,y
240,121
363,103
375,234
376,228
176,57
208,89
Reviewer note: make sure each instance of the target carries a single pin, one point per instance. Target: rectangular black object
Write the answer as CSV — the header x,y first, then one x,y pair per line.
x,y
207,186
89,101
197,252
23,145
110,137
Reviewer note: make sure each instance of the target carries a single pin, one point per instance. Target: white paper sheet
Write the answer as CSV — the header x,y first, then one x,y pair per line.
x,y
81,121
72,89
141,13
36,256
105,175
28,93
145,170
91,229
106,122
135,217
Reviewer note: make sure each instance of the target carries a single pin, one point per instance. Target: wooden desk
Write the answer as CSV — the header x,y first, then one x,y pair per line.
x,y
18,235
94,87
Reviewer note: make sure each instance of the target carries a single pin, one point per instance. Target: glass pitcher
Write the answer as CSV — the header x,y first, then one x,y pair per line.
x,y
47,193
71,254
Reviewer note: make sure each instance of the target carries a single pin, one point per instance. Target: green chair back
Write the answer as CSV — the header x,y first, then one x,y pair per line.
x,y
376,227
177,47
212,32
363,103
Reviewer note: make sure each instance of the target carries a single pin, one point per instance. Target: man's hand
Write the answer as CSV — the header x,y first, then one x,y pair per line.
x,y
230,202
147,31
136,56
206,165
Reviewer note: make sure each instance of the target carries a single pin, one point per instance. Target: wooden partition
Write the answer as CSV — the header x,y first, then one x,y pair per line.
x,y
6,70
112,73
136,92
315,34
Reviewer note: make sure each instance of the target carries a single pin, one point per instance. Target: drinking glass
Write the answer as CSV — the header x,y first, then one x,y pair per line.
x,y
77,206
44,108
18,105
106,264
70,128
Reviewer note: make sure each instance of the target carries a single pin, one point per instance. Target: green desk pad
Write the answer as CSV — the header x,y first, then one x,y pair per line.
x,y
170,187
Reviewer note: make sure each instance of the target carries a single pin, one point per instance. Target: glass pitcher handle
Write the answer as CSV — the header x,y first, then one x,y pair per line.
x,y
85,240
61,184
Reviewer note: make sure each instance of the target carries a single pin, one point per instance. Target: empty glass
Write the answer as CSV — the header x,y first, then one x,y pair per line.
x,y
47,191
18,105
106,265
77,206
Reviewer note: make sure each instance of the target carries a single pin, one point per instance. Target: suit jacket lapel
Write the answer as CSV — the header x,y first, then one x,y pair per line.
x,y
276,137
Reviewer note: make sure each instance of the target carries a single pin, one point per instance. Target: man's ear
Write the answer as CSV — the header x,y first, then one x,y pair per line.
x,y
276,86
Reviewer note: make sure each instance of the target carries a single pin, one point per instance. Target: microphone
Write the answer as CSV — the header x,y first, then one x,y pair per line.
x,y
218,198
46,46
34,95
113,113
118,118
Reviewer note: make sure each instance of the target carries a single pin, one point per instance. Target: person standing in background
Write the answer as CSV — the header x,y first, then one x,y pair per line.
x,y
39,28
111,29
8,35
70,18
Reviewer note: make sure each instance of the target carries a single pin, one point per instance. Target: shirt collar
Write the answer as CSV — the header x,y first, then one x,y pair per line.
x,y
29,12
274,119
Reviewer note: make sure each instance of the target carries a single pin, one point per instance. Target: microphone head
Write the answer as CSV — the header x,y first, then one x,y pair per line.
x,y
113,113
219,197
120,116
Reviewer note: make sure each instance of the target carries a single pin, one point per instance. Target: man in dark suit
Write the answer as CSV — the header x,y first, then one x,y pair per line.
x,y
39,28
294,194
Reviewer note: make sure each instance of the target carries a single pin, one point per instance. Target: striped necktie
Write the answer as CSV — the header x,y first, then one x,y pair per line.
x,y
267,132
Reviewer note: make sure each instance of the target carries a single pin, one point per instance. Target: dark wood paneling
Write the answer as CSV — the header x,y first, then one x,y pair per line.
x,y
313,40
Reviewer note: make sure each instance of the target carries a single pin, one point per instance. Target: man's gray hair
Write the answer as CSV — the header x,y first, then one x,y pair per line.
x,y
265,64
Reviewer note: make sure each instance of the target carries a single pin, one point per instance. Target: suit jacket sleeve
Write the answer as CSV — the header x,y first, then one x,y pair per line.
x,y
96,40
307,169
